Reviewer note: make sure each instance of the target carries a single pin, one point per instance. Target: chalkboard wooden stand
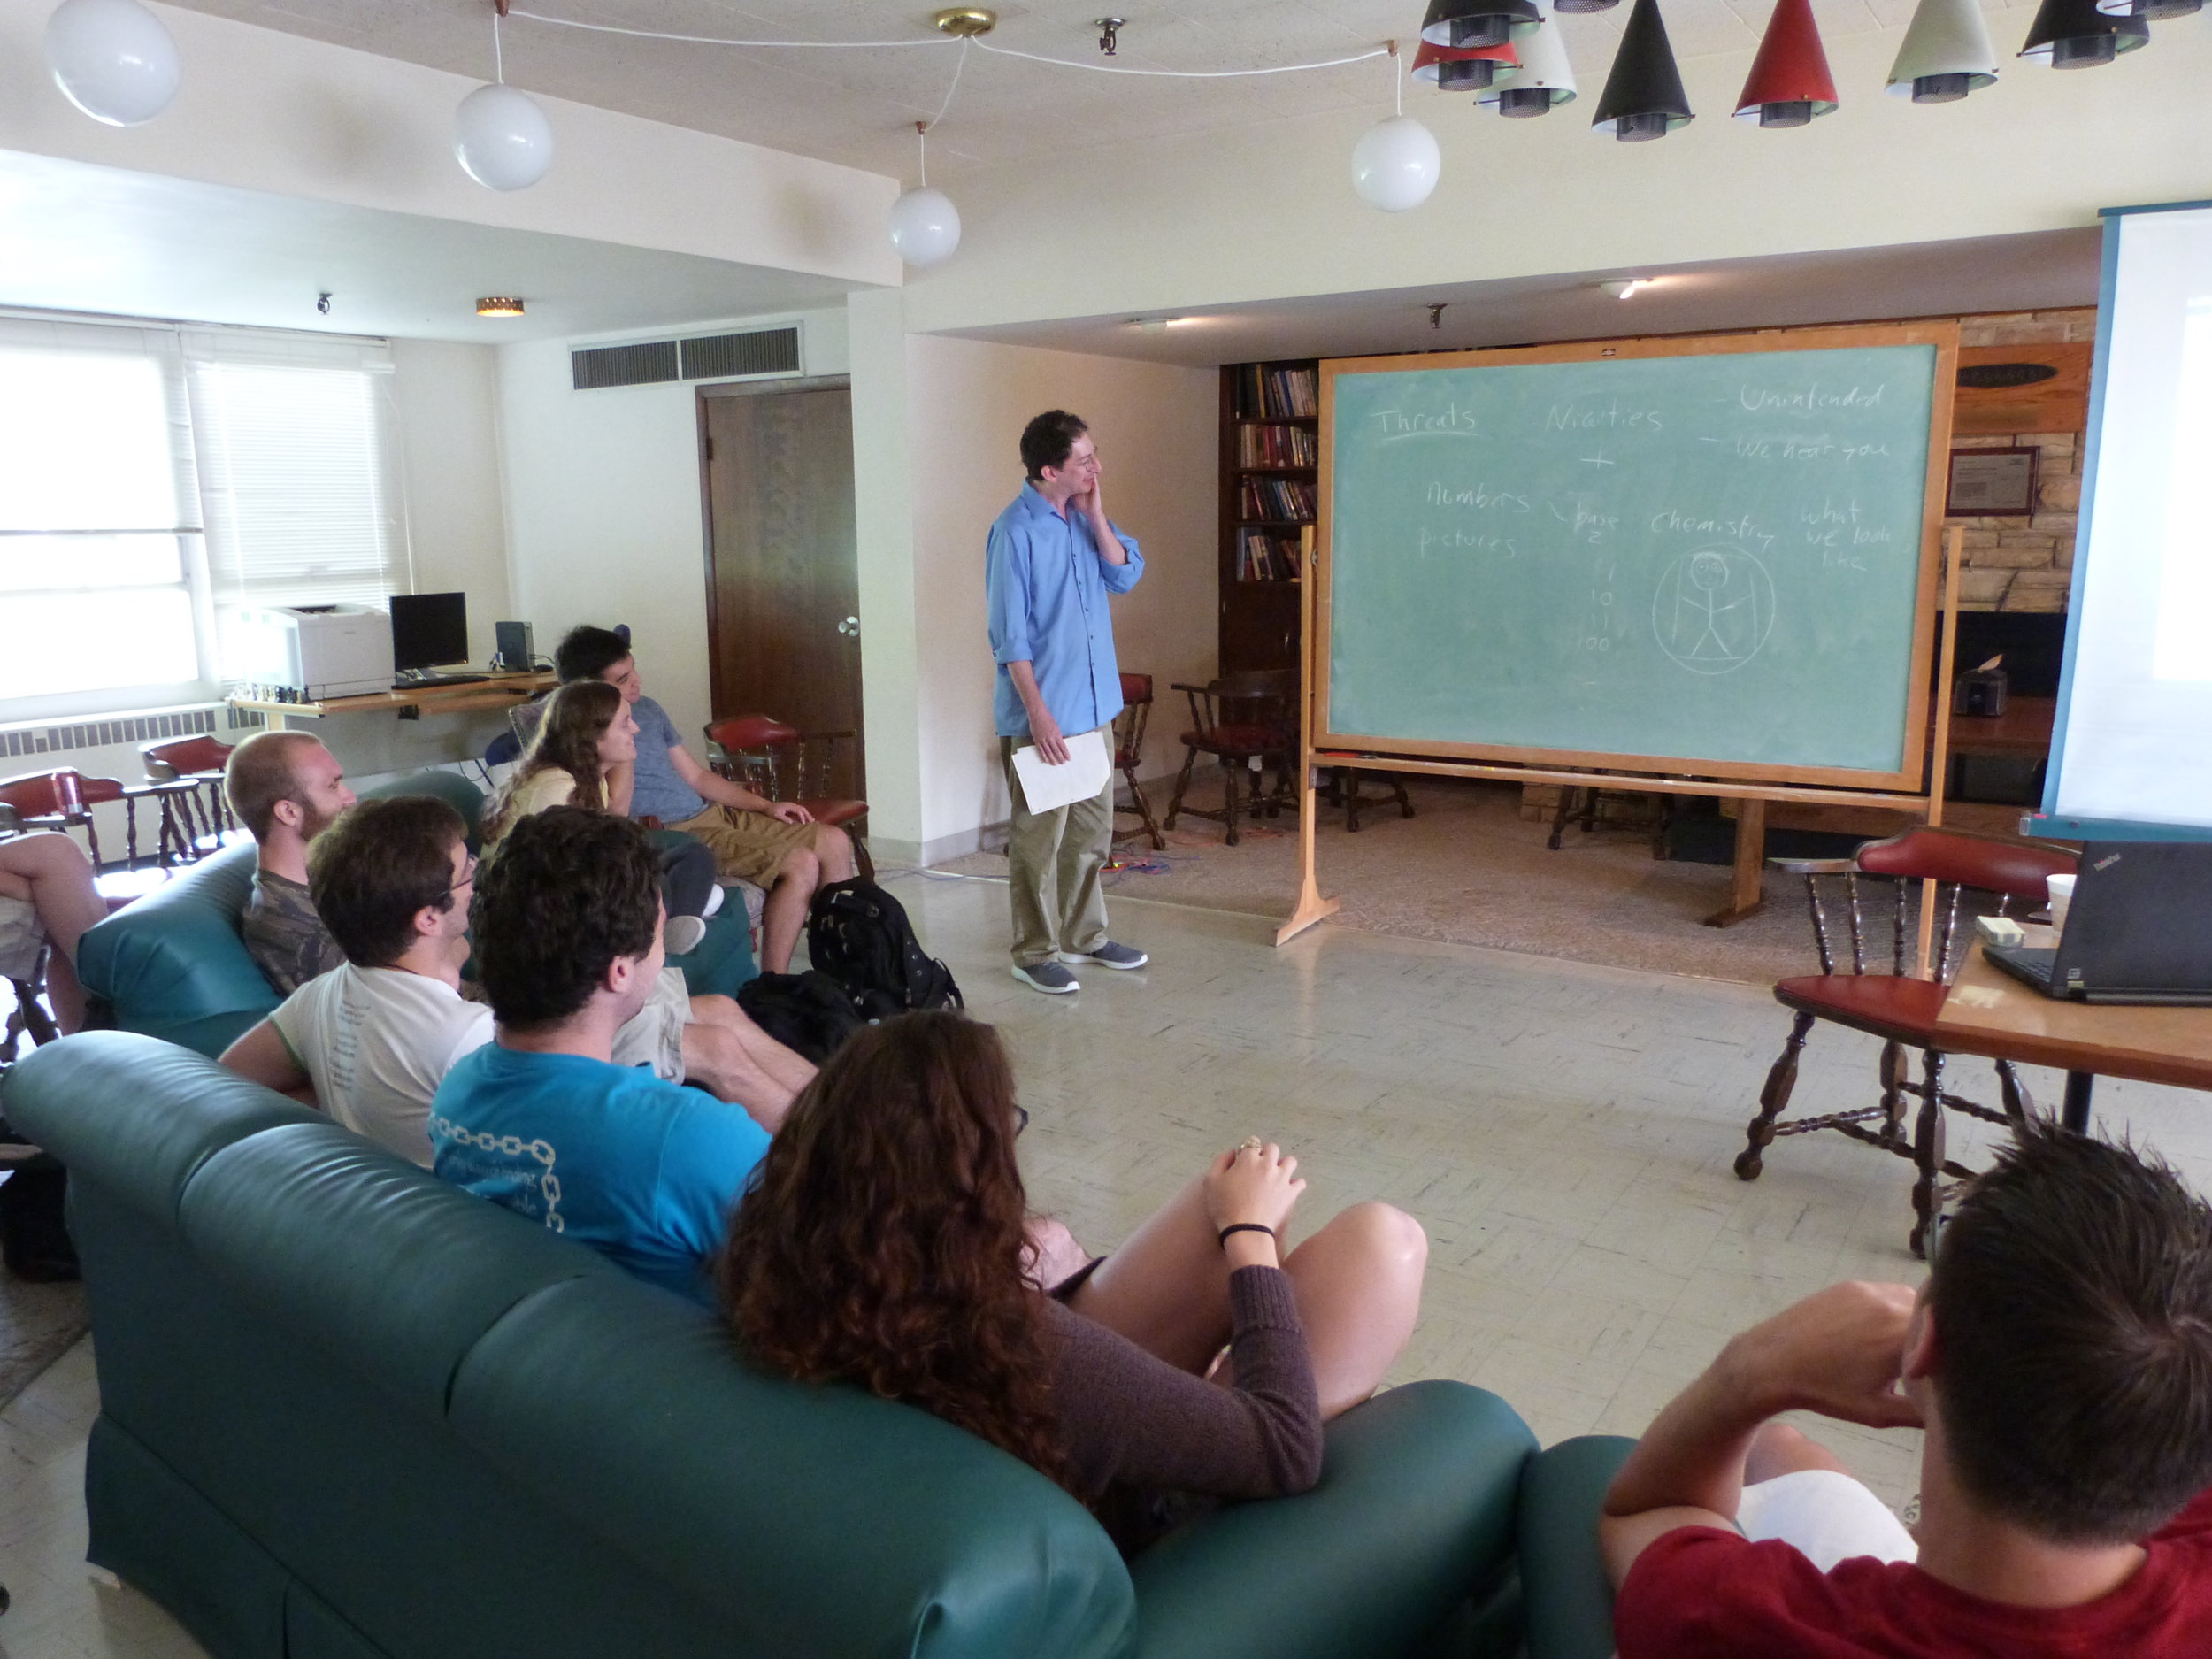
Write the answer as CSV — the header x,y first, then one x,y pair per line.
x,y
1691,772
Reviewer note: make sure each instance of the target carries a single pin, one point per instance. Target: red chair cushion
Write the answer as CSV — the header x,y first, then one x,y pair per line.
x,y
836,811
1241,739
751,731
1882,1004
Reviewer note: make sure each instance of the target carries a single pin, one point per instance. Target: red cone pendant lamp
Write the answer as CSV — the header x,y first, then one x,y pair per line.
x,y
1789,83
1465,68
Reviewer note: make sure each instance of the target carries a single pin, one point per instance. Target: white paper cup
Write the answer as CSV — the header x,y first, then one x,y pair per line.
x,y
2062,892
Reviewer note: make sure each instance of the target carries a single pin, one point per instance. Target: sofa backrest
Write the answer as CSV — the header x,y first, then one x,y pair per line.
x,y
459,1434
172,965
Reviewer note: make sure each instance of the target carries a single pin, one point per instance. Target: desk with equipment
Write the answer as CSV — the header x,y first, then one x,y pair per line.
x,y
1700,566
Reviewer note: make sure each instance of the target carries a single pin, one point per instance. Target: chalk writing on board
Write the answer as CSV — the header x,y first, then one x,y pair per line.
x,y
1713,610
1597,417
1481,495
1743,528
1810,397
1451,422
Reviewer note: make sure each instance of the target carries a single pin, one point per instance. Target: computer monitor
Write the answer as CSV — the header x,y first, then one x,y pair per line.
x,y
429,630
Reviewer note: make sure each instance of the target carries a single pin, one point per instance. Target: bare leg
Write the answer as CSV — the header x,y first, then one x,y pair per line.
x,y
1780,1449
713,1056
1358,1282
835,849
47,869
785,913
1053,1251
793,1071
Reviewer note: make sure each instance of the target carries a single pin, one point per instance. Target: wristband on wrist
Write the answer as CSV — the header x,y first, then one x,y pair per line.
x,y
1222,1238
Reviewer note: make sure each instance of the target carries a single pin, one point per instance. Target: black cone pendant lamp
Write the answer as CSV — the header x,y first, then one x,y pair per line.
x,y
2074,35
1643,97
1478,22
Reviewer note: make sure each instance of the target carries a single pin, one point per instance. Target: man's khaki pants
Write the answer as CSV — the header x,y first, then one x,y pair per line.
x,y
1056,858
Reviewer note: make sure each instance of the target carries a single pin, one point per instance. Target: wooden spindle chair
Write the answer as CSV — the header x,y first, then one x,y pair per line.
x,y
187,773
1240,719
781,763
1895,1006
1129,725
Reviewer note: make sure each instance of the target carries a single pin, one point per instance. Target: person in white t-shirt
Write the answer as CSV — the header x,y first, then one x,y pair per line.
x,y
370,1040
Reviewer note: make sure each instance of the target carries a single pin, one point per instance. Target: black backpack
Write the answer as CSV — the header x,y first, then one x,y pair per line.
x,y
808,1013
858,935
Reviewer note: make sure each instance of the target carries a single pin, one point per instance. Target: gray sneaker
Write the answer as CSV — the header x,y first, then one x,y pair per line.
x,y
682,935
1048,976
1108,955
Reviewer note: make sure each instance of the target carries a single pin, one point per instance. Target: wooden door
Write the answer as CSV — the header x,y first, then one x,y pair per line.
x,y
783,609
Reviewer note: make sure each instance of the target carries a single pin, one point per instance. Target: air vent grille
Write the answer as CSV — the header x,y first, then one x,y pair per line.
x,y
644,365
761,351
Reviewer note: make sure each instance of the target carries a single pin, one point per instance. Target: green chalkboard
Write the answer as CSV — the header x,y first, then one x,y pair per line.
x,y
1720,560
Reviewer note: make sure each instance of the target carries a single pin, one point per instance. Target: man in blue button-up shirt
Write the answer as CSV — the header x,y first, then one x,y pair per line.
x,y
1053,558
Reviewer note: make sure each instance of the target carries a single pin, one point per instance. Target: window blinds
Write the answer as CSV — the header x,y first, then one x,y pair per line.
x,y
298,475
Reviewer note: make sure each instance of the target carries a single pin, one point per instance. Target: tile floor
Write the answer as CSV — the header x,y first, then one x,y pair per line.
x,y
1564,1132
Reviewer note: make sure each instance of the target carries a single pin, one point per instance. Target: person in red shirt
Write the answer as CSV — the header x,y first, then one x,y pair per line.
x,y
2059,1358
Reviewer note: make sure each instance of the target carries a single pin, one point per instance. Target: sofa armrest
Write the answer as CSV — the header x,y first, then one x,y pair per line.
x,y
1567,1601
172,964
1414,1514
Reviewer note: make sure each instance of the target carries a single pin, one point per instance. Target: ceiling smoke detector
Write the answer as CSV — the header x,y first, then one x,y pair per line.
x,y
965,22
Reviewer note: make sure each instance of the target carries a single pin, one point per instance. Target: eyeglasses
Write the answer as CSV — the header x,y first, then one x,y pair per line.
x,y
468,874
1021,1118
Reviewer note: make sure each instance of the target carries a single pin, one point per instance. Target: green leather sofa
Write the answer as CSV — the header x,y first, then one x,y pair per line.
x,y
348,1410
171,965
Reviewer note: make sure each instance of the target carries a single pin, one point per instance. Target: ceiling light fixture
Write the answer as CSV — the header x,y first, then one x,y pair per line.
x,y
500,305
500,137
1789,83
965,22
112,59
1396,163
1643,97
1545,77
2074,35
1478,22
2157,11
925,224
1465,68
1946,54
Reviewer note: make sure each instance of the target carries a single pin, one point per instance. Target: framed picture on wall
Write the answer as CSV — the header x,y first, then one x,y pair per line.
x,y
1992,483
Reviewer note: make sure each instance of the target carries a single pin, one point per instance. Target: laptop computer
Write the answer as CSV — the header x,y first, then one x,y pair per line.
x,y
2139,929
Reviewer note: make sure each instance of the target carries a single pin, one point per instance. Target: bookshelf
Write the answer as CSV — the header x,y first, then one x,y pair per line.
x,y
1271,436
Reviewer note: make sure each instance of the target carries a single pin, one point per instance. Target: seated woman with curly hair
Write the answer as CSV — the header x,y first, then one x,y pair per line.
x,y
884,1242
585,734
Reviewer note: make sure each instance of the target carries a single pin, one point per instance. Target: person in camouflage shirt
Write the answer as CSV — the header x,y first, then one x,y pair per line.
x,y
285,789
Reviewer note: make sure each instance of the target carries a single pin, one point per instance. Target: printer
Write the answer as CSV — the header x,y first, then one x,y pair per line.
x,y
315,651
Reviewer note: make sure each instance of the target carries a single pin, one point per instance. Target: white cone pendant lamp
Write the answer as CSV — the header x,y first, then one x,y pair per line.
x,y
1396,164
1946,54
2152,11
1465,68
1545,77
112,59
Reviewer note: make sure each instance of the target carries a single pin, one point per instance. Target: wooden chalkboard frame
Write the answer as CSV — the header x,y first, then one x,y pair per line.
x,y
1909,775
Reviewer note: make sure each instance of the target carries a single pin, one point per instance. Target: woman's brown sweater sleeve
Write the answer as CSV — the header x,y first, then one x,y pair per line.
x,y
1132,1420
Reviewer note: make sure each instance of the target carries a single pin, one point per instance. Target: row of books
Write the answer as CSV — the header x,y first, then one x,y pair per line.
x,y
1277,500
1277,446
1266,556
1273,394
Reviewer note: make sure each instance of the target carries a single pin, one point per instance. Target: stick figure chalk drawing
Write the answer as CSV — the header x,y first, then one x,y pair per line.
x,y
1714,609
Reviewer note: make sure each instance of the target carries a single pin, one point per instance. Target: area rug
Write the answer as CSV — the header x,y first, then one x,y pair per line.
x,y
38,1325
1467,868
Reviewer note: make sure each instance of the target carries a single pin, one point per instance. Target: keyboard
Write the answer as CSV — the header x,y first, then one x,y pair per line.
x,y
422,680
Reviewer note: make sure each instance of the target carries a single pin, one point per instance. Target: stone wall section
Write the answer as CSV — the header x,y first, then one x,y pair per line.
x,y
2027,564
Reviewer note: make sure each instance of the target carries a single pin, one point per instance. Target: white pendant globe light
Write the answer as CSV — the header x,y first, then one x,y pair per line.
x,y
1396,164
925,226
112,59
501,138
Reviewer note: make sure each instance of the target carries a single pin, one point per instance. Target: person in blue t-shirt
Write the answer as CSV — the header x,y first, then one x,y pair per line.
x,y
567,922
773,844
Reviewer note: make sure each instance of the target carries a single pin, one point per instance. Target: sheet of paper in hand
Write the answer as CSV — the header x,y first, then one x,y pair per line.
x,y
1089,765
